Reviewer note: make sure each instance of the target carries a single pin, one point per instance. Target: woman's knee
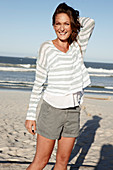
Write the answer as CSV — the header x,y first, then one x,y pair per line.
x,y
62,159
41,160
38,164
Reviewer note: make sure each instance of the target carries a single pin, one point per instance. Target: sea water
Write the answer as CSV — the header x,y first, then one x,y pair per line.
x,y
19,73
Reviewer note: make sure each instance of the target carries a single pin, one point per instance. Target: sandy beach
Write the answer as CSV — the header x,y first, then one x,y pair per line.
x,y
93,148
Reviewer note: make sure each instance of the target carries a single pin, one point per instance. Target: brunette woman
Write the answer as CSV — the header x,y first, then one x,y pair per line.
x,y
60,64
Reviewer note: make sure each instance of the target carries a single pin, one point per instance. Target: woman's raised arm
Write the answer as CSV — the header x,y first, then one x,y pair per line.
x,y
87,26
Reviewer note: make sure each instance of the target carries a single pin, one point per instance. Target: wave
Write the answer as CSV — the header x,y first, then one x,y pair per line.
x,y
25,65
99,70
108,87
28,68
101,75
22,69
96,86
16,84
99,91
18,65
28,85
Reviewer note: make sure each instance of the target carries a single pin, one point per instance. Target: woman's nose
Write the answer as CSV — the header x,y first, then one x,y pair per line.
x,y
62,27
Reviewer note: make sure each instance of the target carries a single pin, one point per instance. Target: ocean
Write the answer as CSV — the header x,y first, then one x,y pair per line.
x,y
19,73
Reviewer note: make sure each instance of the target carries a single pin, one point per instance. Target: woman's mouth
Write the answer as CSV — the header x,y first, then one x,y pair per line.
x,y
62,33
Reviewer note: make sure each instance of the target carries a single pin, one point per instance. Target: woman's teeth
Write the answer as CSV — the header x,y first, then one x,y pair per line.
x,y
62,33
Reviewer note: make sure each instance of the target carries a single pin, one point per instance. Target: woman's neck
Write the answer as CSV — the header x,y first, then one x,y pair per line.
x,y
61,45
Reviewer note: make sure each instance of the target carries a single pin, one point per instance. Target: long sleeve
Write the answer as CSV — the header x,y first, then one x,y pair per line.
x,y
87,25
40,79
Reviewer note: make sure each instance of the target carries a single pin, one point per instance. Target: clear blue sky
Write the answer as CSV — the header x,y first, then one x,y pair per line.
x,y
25,24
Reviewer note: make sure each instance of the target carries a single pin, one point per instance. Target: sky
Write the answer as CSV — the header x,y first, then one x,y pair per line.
x,y
26,24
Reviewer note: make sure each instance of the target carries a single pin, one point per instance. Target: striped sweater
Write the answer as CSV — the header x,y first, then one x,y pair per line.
x,y
65,73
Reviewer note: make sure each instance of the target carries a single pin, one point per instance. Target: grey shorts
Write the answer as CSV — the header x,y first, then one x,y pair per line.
x,y
53,122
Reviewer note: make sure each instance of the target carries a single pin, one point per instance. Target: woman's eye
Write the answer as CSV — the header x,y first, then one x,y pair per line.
x,y
57,24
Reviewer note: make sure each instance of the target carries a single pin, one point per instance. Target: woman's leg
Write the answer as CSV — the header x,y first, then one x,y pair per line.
x,y
43,153
65,146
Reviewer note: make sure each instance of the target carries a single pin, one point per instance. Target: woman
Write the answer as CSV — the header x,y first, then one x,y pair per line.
x,y
60,63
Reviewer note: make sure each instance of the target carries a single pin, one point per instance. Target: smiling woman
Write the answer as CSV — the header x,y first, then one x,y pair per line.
x,y
60,63
66,21
63,31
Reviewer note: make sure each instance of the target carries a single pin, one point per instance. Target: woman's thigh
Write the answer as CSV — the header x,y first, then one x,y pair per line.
x,y
65,146
44,147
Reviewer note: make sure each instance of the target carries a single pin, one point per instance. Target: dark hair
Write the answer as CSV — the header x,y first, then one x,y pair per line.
x,y
74,17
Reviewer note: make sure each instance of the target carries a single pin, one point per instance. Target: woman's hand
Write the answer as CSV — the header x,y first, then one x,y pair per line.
x,y
29,124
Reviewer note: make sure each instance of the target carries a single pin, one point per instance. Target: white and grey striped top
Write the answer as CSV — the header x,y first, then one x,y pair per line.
x,y
65,73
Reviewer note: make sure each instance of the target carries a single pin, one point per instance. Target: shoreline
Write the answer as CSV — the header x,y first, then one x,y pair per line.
x,y
85,91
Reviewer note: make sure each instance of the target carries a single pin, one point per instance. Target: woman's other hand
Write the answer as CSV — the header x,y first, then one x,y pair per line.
x,y
31,126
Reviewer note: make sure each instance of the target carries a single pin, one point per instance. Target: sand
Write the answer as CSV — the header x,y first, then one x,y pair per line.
x,y
93,149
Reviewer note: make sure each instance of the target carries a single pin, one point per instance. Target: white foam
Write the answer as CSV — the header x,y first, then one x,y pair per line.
x,y
101,75
99,70
98,91
108,87
16,69
25,65
17,82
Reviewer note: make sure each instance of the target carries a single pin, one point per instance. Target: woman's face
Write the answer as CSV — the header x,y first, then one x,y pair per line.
x,y
62,26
